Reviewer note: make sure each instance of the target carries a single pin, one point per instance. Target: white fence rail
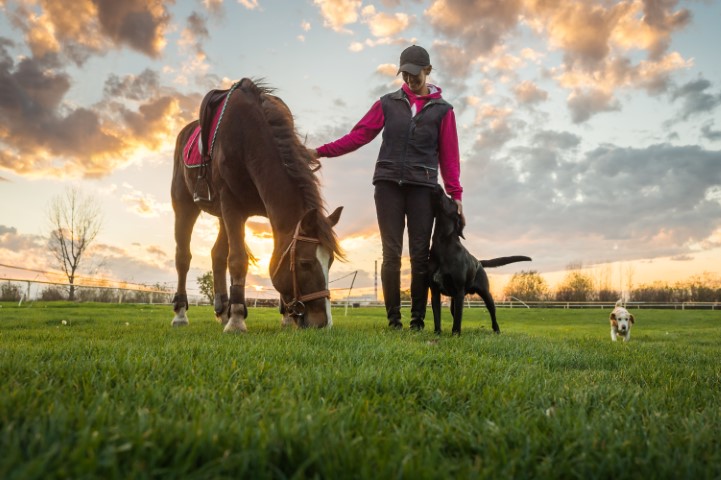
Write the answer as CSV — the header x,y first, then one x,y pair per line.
x,y
564,305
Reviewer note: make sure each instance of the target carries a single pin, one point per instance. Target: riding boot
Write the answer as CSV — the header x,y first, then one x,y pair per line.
x,y
391,282
419,300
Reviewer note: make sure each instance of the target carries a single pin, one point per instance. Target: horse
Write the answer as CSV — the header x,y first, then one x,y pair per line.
x,y
258,166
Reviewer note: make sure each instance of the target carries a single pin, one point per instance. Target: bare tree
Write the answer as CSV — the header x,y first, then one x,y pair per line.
x,y
75,221
605,292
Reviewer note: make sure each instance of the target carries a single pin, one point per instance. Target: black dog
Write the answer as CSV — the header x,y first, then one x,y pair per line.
x,y
453,271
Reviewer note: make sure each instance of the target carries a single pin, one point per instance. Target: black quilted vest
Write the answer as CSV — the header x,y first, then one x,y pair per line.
x,y
409,152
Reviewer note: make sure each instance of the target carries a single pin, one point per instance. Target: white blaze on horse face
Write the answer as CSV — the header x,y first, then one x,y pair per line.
x,y
323,256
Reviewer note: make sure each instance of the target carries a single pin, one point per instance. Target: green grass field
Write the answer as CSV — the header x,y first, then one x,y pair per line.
x,y
112,391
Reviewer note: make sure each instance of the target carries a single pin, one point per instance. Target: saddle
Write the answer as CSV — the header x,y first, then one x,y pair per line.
x,y
206,115
209,117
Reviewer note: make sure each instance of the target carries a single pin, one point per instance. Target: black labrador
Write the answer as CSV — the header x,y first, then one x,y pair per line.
x,y
453,271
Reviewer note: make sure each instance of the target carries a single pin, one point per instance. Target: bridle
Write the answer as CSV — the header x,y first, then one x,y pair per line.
x,y
296,307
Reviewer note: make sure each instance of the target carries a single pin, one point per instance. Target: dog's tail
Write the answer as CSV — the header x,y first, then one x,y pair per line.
x,y
501,261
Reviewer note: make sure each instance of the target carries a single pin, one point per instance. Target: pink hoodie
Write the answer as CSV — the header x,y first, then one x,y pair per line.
x,y
373,121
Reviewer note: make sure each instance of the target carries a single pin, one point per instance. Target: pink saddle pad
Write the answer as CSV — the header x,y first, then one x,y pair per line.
x,y
191,150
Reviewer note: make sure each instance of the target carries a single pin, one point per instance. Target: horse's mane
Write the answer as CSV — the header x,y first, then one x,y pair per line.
x,y
299,164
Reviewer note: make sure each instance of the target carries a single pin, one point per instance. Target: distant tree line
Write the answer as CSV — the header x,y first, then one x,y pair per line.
x,y
581,286
528,286
12,292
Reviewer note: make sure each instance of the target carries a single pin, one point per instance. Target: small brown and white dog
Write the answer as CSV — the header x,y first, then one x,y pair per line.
x,y
621,322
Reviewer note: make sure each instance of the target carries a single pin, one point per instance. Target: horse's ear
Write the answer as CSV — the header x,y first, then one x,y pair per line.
x,y
335,216
309,222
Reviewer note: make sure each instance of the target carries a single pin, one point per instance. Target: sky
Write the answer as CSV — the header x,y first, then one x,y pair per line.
x,y
589,131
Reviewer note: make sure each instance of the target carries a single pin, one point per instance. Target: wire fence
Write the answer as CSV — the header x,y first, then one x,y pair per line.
x,y
26,284
49,286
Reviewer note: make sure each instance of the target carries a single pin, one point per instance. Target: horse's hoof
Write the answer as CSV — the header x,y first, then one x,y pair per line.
x,y
222,319
236,319
181,318
235,327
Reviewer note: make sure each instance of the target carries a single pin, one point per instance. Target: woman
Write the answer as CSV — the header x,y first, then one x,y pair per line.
x,y
419,139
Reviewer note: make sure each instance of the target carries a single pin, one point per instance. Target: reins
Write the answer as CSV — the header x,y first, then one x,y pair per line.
x,y
296,307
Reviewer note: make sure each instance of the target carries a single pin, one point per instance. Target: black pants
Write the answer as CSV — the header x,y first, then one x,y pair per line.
x,y
396,207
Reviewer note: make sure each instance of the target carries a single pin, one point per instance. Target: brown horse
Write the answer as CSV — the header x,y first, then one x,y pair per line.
x,y
259,167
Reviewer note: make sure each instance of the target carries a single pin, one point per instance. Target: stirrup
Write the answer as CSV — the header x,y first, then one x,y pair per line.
x,y
202,192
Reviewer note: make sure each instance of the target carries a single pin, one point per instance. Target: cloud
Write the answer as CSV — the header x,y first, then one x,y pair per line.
x,y
259,229
23,250
387,70
450,63
528,93
132,87
214,6
42,135
661,23
585,103
91,27
137,23
33,91
599,43
147,264
479,26
589,32
144,204
384,24
191,45
495,127
695,98
156,251
249,4
194,33
338,13
709,133
4,230
556,202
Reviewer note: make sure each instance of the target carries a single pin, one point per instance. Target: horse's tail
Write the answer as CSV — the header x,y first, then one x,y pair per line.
x,y
501,261
252,259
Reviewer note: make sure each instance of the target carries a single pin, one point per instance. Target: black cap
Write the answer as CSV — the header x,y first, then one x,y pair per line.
x,y
414,59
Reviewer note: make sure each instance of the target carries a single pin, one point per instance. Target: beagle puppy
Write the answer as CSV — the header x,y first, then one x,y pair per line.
x,y
621,322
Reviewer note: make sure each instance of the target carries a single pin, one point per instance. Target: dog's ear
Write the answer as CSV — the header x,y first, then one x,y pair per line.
x,y
612,317
631,318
